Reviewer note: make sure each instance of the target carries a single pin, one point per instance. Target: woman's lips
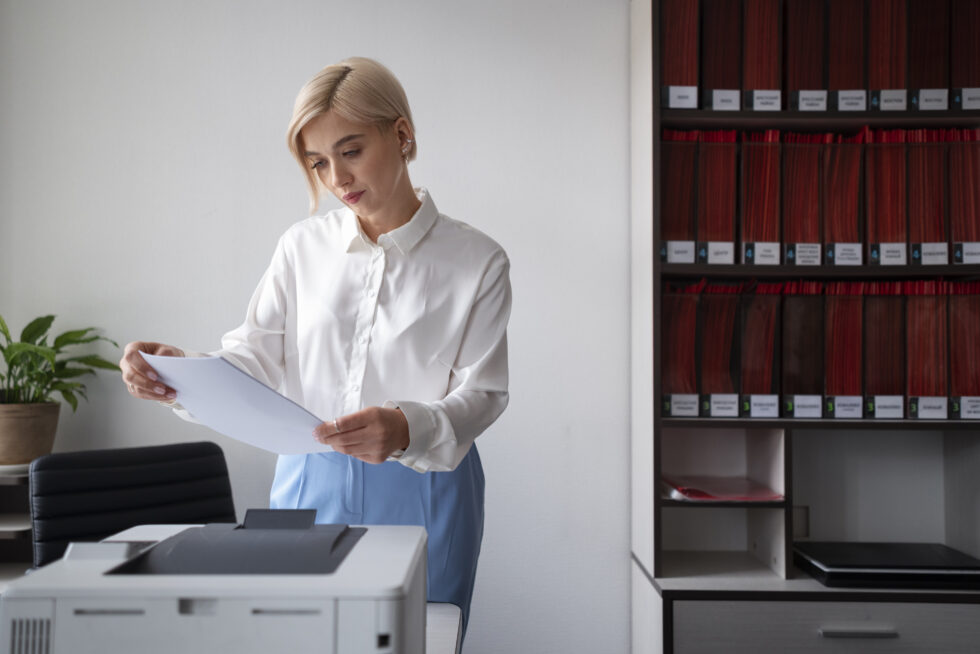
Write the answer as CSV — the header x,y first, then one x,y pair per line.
x,y
352,198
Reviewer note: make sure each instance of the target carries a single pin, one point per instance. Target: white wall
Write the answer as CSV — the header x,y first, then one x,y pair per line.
x,y
144,180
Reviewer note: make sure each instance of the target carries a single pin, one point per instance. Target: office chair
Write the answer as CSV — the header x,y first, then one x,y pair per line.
x,y
86,496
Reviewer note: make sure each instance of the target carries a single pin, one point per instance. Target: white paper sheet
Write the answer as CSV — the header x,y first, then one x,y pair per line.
x,y
227,400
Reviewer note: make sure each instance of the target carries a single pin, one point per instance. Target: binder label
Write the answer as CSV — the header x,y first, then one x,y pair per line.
x,y
763,406
930,254
761,253
803,254
720,252
724,100
856,100
813,101
770,100
804,406
928,408
845,254
969,407
966,253
848,407
682,97
681,405
680,252
888,254
970,98
932,99
724,405
888,407
889,100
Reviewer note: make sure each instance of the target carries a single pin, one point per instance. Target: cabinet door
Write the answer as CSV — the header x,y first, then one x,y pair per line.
x,y
792,627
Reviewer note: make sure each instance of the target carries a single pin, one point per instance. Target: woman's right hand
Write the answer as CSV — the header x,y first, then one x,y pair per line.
x,y
141,379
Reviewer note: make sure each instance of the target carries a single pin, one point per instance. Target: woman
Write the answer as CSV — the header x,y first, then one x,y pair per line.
x,y
385,317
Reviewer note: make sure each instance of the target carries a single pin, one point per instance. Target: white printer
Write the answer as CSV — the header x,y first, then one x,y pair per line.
x,y
263,586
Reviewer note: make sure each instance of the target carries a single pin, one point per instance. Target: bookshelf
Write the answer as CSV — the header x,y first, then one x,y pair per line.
x,y
696,564
15,527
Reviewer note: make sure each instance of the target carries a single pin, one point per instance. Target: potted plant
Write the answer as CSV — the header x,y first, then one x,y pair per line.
x,y
35,369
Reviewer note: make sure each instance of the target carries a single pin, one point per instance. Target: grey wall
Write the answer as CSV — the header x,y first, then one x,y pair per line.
x,y
144,181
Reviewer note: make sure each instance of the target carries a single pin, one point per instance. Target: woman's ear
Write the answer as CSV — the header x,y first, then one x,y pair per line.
x,y
403,130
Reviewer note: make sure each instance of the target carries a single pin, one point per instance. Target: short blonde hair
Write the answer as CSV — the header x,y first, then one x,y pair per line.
x,y
360,90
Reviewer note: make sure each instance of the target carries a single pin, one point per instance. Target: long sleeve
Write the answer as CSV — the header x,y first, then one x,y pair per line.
x,y
442,432
257,345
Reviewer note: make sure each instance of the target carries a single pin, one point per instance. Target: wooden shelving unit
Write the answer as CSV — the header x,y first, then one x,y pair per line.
x,y
918,484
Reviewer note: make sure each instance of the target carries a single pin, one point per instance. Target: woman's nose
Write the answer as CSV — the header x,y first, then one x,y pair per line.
x,y
341,176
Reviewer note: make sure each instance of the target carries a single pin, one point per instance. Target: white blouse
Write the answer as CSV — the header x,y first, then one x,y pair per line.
x,y
417,321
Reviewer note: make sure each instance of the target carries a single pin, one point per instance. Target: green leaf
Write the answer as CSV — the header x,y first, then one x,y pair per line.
x,y
70,399
36,329
69,373
5,330
19,349
74,337
95,361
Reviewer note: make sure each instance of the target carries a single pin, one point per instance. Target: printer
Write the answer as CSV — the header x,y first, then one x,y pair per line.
x,y
276,583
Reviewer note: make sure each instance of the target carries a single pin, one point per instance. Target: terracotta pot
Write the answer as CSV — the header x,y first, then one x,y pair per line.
x,y
27,431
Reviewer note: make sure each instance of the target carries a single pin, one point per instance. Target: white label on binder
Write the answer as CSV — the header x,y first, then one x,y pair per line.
x,y
807,406
933,99
848,407
721,252
764,406
808,254
852,100
932,408
893,254
762,253
970,408
684,406
724,405
847,254
680,251
813,101
971,253
935,254
767,100
971,98
889,406
682,97
725,100
893,99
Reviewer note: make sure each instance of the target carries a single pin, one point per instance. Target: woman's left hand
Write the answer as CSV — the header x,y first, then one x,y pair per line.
x,y
370,435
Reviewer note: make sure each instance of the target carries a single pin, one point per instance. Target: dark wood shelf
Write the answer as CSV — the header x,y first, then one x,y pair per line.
x,y
667,502
966,272
829,423
815,121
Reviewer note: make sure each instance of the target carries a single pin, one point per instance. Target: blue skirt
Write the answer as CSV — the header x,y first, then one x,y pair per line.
x,y
449,505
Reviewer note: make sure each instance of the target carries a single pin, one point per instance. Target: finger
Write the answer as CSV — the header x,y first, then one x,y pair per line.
x,y
148,390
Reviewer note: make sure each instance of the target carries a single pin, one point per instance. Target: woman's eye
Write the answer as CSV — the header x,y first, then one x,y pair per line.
x,y
351,153
317,164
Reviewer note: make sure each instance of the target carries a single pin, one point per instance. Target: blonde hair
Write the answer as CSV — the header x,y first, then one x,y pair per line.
x,y
360,90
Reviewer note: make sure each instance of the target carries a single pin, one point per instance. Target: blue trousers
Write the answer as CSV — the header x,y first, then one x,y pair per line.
x,y
449,505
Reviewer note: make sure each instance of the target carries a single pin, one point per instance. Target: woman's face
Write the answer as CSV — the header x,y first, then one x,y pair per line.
x,y
361,164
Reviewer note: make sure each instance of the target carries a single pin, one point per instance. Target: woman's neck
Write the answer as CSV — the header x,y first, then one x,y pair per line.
x,y
399,213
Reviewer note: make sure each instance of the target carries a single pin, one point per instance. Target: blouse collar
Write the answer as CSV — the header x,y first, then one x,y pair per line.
x,y
405,238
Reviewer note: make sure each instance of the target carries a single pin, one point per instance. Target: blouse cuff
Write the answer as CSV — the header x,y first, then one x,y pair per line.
x,y
421,432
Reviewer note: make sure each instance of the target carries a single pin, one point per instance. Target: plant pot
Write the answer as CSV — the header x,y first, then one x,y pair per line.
x,y
27,431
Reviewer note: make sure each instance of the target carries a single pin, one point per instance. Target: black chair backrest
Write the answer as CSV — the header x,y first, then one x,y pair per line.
x,y
86,496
